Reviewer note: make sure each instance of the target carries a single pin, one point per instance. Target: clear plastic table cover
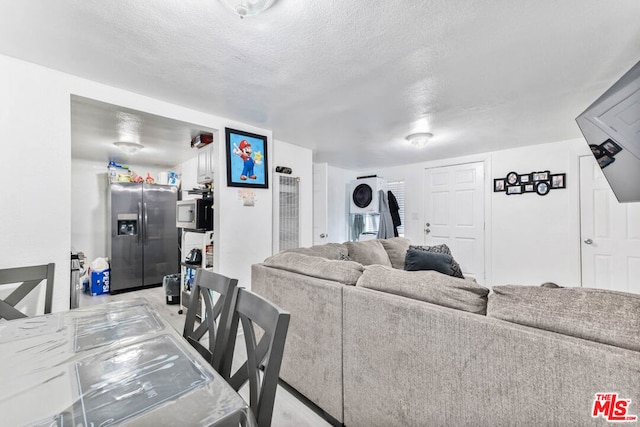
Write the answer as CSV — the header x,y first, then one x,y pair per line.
x,y
119,324
143,376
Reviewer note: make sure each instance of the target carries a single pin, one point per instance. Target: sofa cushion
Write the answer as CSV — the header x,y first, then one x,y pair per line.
x,y
429,286
443,249
417,260
329,250
396,248
347,272
368,252
600,315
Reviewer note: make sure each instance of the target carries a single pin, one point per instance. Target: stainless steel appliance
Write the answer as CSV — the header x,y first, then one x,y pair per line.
x,y
144,237
195,214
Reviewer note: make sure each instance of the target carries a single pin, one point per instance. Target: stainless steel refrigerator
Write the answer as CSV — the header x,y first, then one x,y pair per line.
x,y
144,237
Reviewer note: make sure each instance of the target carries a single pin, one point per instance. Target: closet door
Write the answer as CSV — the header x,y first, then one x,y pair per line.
x,y
454,214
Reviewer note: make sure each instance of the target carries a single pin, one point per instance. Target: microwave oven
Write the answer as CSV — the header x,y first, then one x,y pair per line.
x,y
195,214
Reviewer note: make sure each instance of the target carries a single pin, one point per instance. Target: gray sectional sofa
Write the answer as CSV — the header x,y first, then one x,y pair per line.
x,y
374,345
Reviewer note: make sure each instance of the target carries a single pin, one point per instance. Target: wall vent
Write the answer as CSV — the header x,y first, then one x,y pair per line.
x,y
287,215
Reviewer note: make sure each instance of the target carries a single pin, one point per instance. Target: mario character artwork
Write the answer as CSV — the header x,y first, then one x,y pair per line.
x,y
245,152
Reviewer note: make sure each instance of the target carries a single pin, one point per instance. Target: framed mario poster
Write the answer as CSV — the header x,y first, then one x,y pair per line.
x,y
247,164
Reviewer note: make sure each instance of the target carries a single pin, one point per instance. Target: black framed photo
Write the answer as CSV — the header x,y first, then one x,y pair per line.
x,y
529,188
247,163
514,189
558,181
542,188
498,185
611,147
540,176
605,161
525,178
512,178
596,150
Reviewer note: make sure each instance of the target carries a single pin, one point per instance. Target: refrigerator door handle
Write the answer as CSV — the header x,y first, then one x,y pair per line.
x,y
139,223
146,223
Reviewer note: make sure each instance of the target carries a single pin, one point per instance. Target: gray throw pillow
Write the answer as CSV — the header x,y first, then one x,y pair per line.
x,y
396,248
442,249
347,272
368,252
328,250
417,260
428,286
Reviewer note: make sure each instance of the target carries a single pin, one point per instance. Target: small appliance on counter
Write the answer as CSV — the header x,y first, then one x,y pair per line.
x,y
195,214
194,258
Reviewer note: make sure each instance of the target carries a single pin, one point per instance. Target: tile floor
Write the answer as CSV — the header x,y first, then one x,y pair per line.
x,y
288,410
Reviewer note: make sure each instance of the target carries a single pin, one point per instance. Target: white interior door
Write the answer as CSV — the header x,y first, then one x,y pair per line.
x,y
610,233
320,203
454,214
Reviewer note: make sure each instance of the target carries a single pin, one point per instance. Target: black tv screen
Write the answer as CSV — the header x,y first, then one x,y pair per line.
x,y
611,126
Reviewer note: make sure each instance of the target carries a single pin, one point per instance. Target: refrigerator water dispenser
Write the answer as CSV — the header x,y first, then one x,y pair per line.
x,y
127,225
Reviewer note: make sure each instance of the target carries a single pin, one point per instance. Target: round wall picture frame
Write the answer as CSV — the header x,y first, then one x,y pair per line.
x,y
542,188
512,178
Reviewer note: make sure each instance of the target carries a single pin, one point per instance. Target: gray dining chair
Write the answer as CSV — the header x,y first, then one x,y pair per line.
x,y
216,318
252,309
28,279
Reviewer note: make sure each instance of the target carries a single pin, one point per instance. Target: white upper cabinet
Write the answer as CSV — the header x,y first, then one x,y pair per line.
x,y
205,164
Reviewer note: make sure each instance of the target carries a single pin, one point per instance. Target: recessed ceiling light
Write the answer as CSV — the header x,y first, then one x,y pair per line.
x,y
419,139
129,147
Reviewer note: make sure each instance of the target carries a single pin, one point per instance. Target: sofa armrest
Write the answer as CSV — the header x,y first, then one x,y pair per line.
x,y
312,361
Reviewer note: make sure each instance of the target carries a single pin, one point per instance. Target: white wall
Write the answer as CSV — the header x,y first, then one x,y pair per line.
x,y
36,163
530,239
36,152
537,238
300,160
338,210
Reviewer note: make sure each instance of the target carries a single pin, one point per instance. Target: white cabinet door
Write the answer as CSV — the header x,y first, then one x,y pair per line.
x,y
205,164
610,234
454,214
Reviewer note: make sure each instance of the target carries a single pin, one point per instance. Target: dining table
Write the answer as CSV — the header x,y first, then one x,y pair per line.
x,y
119,363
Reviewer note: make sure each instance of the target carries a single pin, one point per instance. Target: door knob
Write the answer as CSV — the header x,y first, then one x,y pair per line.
x,y
588,241
322,236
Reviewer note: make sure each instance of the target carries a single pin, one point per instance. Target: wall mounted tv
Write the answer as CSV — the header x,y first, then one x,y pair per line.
x,y
611,126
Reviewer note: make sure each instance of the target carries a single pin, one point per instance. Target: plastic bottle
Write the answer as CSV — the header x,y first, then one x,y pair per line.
x,y
113,171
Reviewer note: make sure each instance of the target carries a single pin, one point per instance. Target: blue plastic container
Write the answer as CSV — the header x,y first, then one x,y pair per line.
x,y
100,282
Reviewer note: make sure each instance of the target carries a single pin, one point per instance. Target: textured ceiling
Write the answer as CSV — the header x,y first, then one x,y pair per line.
x,y
349,79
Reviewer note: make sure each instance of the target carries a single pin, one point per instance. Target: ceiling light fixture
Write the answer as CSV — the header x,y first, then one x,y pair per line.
x,y
129,147
419,139
244,8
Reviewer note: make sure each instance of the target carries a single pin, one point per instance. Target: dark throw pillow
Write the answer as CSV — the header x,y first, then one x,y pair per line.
x,y
442,249
417,260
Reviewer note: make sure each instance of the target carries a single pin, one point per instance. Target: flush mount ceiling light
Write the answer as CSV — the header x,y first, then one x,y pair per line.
x,y
244,8
419,139
129,147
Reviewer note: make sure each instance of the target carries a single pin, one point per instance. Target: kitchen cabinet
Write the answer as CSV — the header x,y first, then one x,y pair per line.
x,y
205,164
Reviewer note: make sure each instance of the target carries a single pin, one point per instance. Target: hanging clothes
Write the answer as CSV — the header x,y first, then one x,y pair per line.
x,y
394,208
385,229
357,227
